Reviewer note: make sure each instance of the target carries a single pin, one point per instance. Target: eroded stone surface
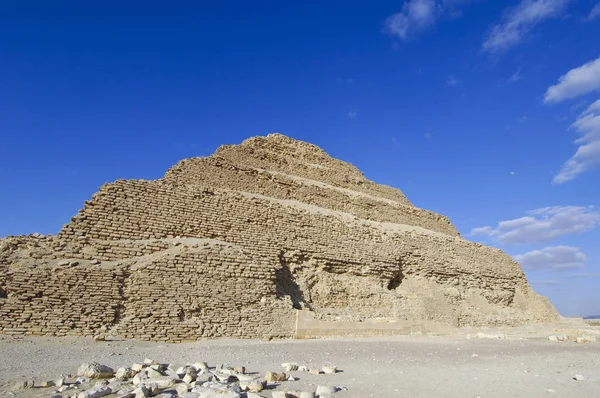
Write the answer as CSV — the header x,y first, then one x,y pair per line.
x,y
230,245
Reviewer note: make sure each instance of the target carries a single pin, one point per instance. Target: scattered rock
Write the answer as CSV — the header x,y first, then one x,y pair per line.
x,y
94,370
22,385
125,373
138,367
200,366
95,392
100,337
578,378
182,388
141,392
329,369
325,390
585,339
289,367
272,376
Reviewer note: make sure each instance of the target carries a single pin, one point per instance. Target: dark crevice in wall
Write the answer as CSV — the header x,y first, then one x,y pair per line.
x,y
286,284
396,281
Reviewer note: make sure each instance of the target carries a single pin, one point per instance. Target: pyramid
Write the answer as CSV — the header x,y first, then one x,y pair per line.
x,y
271,238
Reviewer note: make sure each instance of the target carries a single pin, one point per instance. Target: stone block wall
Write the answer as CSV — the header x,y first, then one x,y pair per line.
x,y
232,245
60,301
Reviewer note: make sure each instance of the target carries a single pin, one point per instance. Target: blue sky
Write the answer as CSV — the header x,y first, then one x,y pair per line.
x,y
481,110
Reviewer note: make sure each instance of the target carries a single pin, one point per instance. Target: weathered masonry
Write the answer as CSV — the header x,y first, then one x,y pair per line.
x,y
236,243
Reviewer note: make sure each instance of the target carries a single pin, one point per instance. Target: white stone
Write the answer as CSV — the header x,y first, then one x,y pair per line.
x,y
200,365
182,388
153,373
21,385
161,382
95,392
256,386
125,373
94,370
138,367
325,390
290,367
140,377
578,378
141,392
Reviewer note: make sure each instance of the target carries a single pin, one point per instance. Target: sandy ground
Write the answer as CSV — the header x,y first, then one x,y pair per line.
x,y
403,366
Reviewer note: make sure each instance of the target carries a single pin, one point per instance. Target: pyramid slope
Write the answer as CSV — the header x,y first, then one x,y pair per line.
x,y
234,244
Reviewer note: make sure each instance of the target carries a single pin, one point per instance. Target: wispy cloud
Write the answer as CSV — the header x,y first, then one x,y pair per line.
x,y
587,155
554,258
594,13
583,275
515,77
545,283
452,81
542,224
345,80
579,81
418,16
519,21
352,114
415,17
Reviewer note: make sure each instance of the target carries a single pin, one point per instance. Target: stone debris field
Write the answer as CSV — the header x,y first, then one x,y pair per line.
x,y
153,379
485,366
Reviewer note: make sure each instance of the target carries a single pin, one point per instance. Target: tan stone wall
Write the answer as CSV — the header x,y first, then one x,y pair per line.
x,y
231,245
219,173
60,301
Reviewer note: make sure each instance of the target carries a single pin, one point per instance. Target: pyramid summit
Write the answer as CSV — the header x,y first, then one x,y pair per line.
x,y
268,238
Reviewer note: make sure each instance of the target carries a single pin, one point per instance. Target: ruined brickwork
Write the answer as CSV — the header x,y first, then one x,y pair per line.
x,y
234,244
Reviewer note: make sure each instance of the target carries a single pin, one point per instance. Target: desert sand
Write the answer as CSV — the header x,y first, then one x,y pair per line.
x,y
399,366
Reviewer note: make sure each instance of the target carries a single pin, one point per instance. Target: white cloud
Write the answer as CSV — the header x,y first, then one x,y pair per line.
x,y
515,77
420,15
352,114
584,275
542,225
545,283
587,155
452,81
554,258
416,16
594,13
519,21
579,81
